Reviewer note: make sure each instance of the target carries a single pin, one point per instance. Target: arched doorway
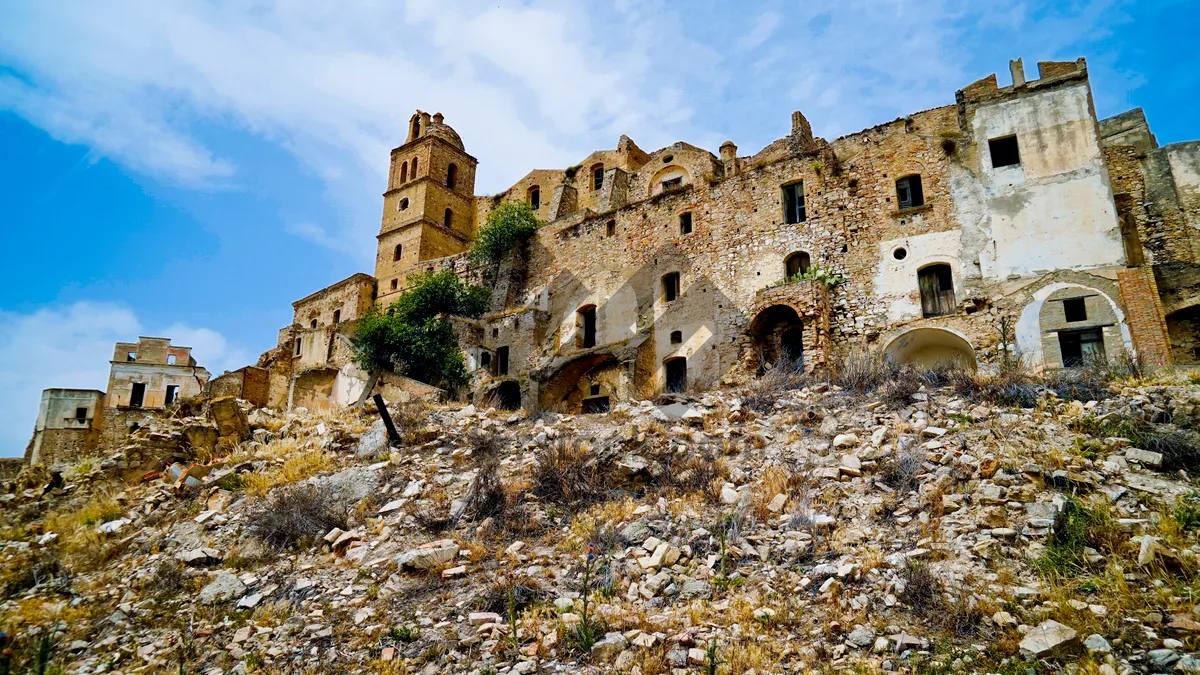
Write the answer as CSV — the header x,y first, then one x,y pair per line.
x,y
778,336
506,396
931,348
580,379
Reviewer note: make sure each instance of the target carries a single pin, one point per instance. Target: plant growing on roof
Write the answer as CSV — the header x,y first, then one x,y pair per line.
x,y
507,226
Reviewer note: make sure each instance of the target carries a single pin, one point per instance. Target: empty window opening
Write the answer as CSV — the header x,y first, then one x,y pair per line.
x,y
416,127
171,358
404,172
672,183
502,360
414,173
535,198
1004,151
138,395
791,344
447,218
1075,309
594,390
670,283
796,264
610,228
172,394
485,359
668,159
451,175
337,316
81,414
900,253
793,203
299,346
676,337
131,356
676,374
908,192
685,223
597,176
398,251
1081,347
596,405
402,205
495,332
937,290
507,395
313,324
395,284
587,322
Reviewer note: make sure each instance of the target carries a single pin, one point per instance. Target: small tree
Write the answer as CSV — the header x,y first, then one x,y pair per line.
x,y
412,336
507,225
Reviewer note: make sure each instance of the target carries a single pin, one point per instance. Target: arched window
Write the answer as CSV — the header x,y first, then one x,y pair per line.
x,y
414,174
404,172
337,316
398,251
451,175
535,197
313,324
937,290
597,176
908,193
447,218
796,264
416,127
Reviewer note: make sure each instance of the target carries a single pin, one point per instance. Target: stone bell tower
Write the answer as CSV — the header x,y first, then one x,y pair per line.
x,y
428,208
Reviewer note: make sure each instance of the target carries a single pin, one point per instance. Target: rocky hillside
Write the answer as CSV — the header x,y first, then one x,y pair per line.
x,y
922,524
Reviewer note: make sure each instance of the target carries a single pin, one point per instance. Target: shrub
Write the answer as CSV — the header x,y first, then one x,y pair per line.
x,y
486,496
569,473
32,569
1077,527
507,226
1180,448
411,336
861,371
700,473
1011,387
901,471
787,375
926,595
295,514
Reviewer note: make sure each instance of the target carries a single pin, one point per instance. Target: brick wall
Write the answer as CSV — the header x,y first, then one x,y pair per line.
x,y
1144,314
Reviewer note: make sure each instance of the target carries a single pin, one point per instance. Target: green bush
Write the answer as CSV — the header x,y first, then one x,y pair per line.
x,y
413,338
507,225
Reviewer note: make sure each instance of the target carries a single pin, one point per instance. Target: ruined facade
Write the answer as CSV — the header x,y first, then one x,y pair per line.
x,y
69,424
1012,216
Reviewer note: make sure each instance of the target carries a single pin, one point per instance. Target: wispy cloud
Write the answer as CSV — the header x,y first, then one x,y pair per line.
x,y
763,28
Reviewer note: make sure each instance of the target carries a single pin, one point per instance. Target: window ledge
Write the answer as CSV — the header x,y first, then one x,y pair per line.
x,y
912,210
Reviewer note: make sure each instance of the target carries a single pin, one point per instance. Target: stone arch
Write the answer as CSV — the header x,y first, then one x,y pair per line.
x,y
777,335
929,347
562,390
667,175
1030,337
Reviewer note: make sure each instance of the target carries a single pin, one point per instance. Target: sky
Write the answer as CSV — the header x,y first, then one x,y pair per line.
x,y
187,170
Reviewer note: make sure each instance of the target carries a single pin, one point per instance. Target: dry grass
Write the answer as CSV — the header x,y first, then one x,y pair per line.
x,y
294,468
690,473
569,473
294,516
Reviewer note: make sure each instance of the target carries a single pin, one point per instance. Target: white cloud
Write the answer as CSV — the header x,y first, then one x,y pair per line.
x,y
763,28
71,347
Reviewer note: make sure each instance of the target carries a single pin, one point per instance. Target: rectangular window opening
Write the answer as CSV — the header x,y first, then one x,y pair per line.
x,y
610,228
793,203
131,356
587,318
1081,347
1004,151
81,414
172,394
502,360
685,223
908,193
171,359
1075,309
670,284
138,395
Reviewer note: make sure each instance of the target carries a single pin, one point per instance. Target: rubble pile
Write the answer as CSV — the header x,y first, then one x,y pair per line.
x,y
829,531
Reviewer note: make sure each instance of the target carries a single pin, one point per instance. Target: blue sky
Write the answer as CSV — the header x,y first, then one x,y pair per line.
x,y
188,170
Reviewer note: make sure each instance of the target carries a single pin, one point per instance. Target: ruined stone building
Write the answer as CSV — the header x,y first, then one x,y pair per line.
x,y
679,268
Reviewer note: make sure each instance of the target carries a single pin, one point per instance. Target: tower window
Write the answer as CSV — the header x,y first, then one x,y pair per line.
x,y
399,250
610,228
131,356
299,346
451,175
1004,151
395,283
337,316
676,337
937,290
416,129
685,223
402,205
1075,309
670,283
597,176
414,175
908,192
535,198
404,172
796,264
793,203
447,219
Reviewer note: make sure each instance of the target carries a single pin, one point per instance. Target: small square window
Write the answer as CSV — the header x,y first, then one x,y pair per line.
x,y
1075,309
395,284
170,359
131,356
81,414
594,390
676,337
685,223
1004,151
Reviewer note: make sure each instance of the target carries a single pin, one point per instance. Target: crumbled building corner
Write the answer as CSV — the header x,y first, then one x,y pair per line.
x,y
810,528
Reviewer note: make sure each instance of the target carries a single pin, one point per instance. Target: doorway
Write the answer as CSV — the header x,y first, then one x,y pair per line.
x,y
1081,347
676,374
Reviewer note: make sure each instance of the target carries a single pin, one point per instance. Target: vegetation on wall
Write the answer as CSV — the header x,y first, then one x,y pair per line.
x,y
507,225
816,273
412,336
